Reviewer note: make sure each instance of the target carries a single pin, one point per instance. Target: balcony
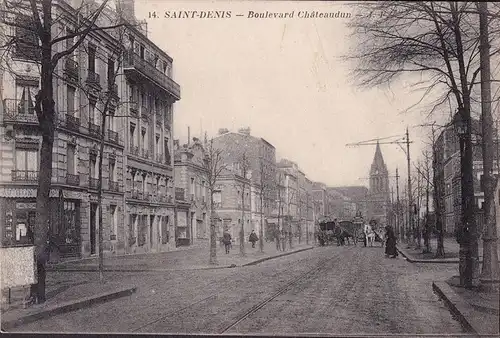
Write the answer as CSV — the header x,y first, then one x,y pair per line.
x,y
134,109
94,80
72,122
134,150
93,183
18,111
113,90
179,194
139,68
73,179
113,136
24,176
113,186
94,130
71,68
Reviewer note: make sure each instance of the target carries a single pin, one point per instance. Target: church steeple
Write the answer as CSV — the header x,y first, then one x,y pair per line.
x,y
378,164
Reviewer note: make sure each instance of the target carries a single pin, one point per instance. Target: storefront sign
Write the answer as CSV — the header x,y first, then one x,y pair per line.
x,y
17,266
22,205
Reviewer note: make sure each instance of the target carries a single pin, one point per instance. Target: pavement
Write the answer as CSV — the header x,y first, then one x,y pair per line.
x,y
75,285
326,291
477,310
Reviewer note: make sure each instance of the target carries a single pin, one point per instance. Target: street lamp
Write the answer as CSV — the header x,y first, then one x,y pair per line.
x,y
466,234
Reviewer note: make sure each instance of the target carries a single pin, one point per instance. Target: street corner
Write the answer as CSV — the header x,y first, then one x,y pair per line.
x,y
18,317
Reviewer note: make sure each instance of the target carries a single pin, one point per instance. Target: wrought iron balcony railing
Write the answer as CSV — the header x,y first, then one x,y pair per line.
x,y
24,176
93,183
72,122
71,68
94,130
22,111
73,179
134,61
93,79
113,186
113,136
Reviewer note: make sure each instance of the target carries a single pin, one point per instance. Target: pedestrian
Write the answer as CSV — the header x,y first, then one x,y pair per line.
x,y
226,238
253,238
390,245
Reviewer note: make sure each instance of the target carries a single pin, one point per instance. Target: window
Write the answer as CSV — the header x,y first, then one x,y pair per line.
x,y
91,59
27,160
93,166
111,121
93,117
132,134
113,228
111,71
167,150
70,104
144,138
112,172
27,45
192,186
203,189
217,196
142,51
157,144
70,161
25,99
144,185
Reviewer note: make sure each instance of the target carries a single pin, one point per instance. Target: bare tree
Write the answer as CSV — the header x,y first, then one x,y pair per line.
x,y
35,20
213,166
244,165
265,190
280,211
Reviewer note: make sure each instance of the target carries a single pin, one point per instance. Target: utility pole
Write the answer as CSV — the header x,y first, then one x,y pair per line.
x,y
419,200
400,232
410,200
490,271
427,242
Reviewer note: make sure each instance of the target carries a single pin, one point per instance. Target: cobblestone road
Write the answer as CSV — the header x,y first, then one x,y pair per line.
x,y
343,290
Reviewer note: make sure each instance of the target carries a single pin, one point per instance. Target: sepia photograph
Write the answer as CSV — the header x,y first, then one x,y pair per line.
x,y
250,168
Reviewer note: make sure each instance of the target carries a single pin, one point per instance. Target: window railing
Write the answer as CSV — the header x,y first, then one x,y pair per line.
x,y
93,183
133,60
93,78
113,136
71,67
179,194
113,186
72,122
24,175
72,179
20,111
94,130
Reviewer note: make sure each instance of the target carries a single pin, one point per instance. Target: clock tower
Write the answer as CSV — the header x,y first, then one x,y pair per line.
x,y
378,194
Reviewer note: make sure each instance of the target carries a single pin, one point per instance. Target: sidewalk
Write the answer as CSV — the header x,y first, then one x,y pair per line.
x,y
188,259
71,291
451,250
476,310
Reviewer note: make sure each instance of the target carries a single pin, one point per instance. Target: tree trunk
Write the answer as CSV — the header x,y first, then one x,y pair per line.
x,y
213,233
44,107
261,230
490,272
427,242
242,230
99,198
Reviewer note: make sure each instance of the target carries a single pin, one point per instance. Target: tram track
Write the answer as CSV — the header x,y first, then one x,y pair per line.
x,y
282,290
204,303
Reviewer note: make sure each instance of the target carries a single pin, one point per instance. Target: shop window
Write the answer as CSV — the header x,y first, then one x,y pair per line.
x,y
70,223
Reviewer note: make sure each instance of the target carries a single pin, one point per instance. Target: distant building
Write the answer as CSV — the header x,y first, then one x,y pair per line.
x,y
379,194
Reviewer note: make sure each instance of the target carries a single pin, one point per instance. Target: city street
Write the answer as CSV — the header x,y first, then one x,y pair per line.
x,y
339,290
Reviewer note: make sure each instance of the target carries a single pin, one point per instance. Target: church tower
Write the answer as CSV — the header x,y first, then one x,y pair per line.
x,y
378,195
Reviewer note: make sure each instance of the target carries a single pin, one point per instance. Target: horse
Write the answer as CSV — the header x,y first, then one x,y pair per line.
x,y
370,235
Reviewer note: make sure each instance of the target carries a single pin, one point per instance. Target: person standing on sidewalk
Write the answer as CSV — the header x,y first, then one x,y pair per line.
x,y
390,246
253,238
226,238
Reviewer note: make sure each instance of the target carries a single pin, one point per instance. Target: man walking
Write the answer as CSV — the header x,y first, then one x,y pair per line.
x,y
227,241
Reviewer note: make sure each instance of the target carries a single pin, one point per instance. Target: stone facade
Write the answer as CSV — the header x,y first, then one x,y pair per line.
x,y
137,169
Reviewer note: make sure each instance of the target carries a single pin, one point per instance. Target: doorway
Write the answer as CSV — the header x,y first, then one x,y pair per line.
x,y
93,225
151,231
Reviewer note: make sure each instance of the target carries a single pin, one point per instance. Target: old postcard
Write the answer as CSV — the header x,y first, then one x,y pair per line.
x,y
290,168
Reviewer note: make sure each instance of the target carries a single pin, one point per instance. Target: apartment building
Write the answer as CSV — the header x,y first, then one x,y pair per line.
x,y
191,184
135,93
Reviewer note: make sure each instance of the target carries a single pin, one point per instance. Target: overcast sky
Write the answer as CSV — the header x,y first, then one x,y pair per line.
x,y
282,78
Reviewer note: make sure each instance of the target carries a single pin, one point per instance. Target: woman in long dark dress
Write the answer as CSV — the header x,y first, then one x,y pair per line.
x,y
390,245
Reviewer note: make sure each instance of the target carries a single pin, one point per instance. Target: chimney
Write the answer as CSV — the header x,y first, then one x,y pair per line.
x,y
126,9
244,131
223,131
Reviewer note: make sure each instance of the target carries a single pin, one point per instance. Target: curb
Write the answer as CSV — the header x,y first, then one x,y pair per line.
x,y
434,260
95,269
454,304
272,257
69,306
